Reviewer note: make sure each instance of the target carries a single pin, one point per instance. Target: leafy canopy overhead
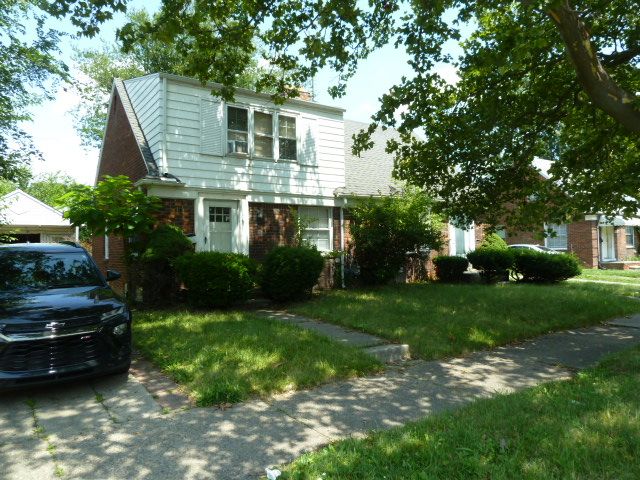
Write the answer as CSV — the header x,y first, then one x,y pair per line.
x,y
552,78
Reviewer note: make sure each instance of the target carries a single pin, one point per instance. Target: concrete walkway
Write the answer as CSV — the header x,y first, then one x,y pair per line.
x,y
375,346
113,428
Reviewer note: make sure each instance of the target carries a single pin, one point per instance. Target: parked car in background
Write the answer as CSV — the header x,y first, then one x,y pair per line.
x,y
59,319
537,248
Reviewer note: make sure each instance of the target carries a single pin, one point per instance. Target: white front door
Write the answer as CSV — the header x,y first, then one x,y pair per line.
x,y
607,243
461,240
222,222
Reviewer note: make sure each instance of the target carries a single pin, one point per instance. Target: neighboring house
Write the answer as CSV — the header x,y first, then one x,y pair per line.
x,y
595,239
27,219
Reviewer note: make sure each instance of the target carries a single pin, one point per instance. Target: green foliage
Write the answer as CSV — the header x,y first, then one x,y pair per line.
x,y
493,262
114,206
493,240
450,268
161,248
166,242
28,62
534,266
385,229
216,279
289,273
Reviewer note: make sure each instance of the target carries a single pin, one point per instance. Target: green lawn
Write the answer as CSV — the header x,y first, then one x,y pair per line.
x,y
625,276
228,356
439,320
585,428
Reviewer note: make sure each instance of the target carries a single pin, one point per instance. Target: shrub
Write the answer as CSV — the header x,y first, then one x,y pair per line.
x,y
162,247
290,272
216,279
493,262
493,240
535,266
385,229
450,268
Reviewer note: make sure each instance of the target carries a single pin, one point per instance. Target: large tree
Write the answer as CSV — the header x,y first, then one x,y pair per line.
x,y
28,62
553,78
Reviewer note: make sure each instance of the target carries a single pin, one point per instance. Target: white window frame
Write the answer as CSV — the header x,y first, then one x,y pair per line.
x,y
328,211
251,134
630,231
549,242
227,130
273,136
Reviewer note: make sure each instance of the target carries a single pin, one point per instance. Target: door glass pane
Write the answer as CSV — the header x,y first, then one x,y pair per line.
x,y
220,214
460,236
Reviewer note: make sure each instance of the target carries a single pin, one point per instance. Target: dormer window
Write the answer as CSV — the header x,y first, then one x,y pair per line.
x,y
237,131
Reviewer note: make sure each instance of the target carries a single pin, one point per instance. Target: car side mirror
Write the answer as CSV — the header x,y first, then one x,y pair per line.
x,y
113,275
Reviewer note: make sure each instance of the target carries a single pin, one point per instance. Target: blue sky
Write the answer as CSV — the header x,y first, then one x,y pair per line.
x,y
52,126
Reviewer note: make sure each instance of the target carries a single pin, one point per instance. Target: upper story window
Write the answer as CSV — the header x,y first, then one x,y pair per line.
x,y
263,134
287,138
273,135
631,236
559,241
238,130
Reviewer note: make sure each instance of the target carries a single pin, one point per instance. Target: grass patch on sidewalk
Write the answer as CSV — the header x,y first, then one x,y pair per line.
x,y
587,427
226,357
439,320
624,276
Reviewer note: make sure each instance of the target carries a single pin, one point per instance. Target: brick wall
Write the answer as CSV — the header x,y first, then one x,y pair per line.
x,y
270,225
583,239
120,152
115,261
179,212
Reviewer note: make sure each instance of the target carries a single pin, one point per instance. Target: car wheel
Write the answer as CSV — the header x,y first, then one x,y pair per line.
x,y
122,370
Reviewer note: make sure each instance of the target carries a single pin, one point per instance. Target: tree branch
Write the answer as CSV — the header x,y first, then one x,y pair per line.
x,y
618,58
601,88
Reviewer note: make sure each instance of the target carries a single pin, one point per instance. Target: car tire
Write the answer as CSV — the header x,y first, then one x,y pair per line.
x,y
122,370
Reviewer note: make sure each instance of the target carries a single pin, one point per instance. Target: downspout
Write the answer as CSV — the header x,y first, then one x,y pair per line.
x,y
598,241
165,165
342,256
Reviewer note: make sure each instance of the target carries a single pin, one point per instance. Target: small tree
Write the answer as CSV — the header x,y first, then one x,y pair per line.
x,y
113,207
385,229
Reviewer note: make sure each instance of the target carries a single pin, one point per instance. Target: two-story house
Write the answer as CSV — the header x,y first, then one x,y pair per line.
x,y
232,174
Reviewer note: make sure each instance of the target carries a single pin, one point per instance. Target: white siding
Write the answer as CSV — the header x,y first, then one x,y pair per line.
x,y
195,146
145,94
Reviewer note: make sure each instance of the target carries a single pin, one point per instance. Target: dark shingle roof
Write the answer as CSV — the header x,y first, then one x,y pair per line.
x,y
147,156
370,173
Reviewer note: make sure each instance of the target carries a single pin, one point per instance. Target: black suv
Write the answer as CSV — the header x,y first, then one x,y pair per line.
x,y
58,317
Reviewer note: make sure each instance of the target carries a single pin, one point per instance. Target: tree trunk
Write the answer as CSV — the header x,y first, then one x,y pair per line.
x,y
601,88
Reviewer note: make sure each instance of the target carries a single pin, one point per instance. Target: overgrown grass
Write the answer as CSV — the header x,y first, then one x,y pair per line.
x,y
587,428
625,276
228,356
439,320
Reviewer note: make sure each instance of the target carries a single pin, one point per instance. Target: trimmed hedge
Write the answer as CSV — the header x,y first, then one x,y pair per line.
x,y
535,266
493,262
289,273
493,240
450,268
215,279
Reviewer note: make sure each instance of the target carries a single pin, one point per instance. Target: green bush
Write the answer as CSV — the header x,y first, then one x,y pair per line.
x,y
534,266
493,262
215,279
158,276
385,229
493,240
289,273
450,268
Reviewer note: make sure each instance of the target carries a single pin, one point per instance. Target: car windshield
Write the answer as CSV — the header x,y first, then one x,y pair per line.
x,y
44,270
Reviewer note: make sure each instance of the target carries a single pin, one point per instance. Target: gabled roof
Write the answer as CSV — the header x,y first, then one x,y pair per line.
x,y
371,172
21,209
147,156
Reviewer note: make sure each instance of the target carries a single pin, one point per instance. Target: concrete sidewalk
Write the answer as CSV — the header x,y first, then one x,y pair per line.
x,y
113,428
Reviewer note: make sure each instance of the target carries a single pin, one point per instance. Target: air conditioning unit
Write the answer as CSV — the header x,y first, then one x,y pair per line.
x,y
237,146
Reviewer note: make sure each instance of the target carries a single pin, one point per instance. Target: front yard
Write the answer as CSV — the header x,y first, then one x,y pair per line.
x,y
226,357
623,276
440,320
588,427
